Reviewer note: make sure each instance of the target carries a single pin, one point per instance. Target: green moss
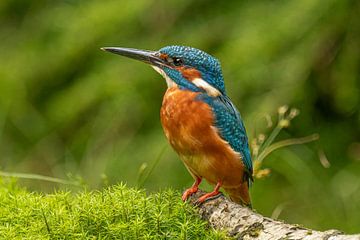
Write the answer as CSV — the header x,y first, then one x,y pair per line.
x,y
117,212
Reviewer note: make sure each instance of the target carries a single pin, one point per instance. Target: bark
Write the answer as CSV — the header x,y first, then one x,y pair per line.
x,y
243,223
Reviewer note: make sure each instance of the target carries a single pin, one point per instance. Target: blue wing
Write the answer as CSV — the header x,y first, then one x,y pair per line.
x,y
231,127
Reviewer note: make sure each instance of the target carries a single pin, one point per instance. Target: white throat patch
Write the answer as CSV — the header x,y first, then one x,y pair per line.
x,y
170,83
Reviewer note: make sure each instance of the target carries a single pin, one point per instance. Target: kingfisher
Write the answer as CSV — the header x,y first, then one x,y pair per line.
x,y
199,120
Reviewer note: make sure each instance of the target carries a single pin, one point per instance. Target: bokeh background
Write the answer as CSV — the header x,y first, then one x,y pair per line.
x,y
67,108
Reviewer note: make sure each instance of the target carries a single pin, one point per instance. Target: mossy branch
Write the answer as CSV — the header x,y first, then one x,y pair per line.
x,y
119,212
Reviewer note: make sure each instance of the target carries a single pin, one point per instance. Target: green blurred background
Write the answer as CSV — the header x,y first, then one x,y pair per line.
x,y
68,108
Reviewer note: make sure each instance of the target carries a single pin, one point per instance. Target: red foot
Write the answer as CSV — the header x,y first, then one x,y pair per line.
x,y
194,188
206,196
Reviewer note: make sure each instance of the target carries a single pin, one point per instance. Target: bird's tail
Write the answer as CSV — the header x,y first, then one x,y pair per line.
x,y
240,194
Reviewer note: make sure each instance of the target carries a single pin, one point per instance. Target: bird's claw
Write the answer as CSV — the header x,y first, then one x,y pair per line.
x,y
207,197
188,193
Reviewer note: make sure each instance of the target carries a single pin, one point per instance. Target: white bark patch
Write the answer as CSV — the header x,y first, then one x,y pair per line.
x,y
211,91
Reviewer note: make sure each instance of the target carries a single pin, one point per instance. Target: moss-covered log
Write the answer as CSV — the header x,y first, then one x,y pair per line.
x,y
119,212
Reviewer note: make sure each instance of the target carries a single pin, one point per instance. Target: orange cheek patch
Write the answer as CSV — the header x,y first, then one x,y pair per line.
x,y
189,73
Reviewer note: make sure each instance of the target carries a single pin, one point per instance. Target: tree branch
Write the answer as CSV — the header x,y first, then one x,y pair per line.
x,y
243,223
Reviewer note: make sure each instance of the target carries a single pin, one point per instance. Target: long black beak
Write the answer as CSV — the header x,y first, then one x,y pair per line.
x,y
150,57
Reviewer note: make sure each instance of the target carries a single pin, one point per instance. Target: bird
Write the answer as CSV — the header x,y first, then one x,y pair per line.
x,y
200,121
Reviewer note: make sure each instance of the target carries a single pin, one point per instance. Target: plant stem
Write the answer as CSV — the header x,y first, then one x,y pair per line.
x,y
270,139
284,143
142,180
38,177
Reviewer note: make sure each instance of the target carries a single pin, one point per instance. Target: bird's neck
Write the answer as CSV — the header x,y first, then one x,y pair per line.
x,y
175,79
197,84
170,83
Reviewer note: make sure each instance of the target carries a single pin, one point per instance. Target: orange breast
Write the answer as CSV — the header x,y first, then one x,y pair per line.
x,y
189,126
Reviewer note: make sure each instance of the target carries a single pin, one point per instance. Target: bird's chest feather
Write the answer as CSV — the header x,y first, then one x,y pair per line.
x,y
185,120
189,125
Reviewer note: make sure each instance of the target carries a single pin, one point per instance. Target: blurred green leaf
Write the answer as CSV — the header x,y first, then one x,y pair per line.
x,y
67,107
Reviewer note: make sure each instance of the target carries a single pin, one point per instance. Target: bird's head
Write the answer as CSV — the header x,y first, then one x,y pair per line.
x,y
185,67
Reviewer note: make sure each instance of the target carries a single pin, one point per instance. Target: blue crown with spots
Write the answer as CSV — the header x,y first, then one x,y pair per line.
x,y
208,65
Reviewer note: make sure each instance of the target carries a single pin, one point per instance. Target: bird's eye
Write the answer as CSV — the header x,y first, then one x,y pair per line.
x,y
177,61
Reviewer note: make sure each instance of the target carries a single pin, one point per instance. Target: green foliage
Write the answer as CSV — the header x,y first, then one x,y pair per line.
x,y
67,107
116,212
